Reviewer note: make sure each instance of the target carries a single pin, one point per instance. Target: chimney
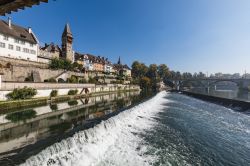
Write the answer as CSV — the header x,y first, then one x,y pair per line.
x,y
9,22
29,29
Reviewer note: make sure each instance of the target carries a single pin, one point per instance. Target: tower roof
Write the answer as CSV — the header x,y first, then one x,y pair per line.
x,y
67,31
119,61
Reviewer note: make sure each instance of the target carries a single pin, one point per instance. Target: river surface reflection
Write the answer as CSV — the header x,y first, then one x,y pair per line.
x,y
26,132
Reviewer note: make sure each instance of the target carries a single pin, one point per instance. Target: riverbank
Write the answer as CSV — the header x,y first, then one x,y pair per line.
x,y
6,106
234,104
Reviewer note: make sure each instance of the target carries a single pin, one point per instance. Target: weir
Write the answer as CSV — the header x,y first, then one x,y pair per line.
x,y
47,122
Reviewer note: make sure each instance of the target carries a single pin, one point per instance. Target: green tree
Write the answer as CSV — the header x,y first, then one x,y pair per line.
x,y
145,83
163,71
187,75
152,71
138,70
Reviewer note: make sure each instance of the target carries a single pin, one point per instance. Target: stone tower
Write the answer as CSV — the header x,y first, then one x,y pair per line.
x,y
67,41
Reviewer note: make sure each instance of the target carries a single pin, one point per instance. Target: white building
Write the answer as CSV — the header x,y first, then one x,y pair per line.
x,y
108,67
48,52
17,42
88,64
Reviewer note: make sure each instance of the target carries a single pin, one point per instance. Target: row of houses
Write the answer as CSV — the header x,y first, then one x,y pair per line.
x,y
21,43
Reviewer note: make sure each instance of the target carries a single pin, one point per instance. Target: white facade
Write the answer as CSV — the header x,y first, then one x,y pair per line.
x,y
108,68
17,49
88,63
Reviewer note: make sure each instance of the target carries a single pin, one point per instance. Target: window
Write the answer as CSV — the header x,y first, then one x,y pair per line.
x,y
31,45
2,45
26,50
17,41
22,42
18,48
33,52
5,38
11,47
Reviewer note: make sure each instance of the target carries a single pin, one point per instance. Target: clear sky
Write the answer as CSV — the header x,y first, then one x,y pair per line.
x,y
187,35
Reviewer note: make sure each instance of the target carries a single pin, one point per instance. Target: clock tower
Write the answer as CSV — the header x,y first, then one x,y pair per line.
x,y
67,41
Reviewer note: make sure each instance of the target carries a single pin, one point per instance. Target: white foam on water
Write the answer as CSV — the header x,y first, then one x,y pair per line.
x,y
115,141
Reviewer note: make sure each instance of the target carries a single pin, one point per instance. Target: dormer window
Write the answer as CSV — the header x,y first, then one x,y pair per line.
x,y
23,36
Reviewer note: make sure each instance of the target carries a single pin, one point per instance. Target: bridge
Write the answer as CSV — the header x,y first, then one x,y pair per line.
x,y
8,6
208,82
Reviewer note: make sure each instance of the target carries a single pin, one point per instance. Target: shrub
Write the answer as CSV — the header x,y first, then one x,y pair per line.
x,y
21,116
61,64
8,65
61,80
53,107
29,79
72,102
92,80
53,93
50,80
72,92
21,93
117,82
83,81
72,79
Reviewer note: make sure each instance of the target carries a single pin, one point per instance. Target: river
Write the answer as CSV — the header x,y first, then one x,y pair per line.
x,y
168,129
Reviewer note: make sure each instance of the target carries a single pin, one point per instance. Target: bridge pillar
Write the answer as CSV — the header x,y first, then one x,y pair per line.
x,y
178,87
208,89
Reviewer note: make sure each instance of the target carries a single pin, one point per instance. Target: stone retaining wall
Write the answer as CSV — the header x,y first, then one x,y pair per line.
x,y
44,89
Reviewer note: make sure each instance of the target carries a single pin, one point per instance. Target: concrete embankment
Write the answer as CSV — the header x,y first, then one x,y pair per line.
x,y
235,104
6,106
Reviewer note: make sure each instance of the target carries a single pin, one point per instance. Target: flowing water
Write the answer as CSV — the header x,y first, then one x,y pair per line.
x,y
168,129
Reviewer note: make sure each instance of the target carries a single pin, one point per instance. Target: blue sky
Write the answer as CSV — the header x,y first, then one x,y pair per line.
x,y
187,35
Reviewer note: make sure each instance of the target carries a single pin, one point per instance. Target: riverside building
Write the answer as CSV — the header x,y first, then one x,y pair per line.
x,y
17,42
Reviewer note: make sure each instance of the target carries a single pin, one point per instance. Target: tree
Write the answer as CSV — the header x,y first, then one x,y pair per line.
x,y
152,71
145,83
139,70
178,75
187,75
163,71
201,75
135,69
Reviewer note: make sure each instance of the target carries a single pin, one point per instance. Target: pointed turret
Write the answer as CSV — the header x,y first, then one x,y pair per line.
x,y
119,61
67,31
